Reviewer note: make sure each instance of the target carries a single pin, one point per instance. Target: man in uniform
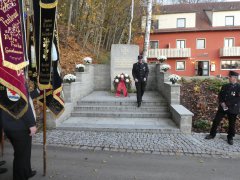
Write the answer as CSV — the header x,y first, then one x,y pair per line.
x,y
140,73
229,104
20,132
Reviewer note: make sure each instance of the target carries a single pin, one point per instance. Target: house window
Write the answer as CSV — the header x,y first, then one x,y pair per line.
x,y
228,42
180,65
154,24
181,43
230,64
153,44
181,22
229,20
201,43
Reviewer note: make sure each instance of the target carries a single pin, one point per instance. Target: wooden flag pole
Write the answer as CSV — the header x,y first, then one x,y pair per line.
x,y
44,133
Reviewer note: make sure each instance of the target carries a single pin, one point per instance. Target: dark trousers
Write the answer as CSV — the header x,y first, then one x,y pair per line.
x,y
22,144
140,87
231,123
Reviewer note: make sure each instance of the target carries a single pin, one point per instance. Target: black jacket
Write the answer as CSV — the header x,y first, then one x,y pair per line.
x,y
230,95
140,71
24,123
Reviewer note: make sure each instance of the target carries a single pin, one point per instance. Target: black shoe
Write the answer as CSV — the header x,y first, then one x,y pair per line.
x,y
209,136
139,104
3,170
230,141
2,163
32,173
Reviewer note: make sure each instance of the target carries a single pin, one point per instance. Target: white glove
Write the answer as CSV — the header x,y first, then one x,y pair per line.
x,y
144,79
136,80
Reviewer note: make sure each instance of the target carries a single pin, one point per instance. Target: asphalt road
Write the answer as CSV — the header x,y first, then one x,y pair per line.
x,y
75,164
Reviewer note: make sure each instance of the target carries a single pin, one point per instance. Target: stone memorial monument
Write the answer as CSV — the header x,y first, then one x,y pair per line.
x,y
123,56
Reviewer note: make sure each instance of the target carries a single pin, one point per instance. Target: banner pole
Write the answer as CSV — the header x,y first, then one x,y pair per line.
x,y
44,133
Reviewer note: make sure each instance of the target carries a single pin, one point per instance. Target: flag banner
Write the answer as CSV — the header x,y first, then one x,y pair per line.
x,y
45,22
13,93
54,100
32,68
12,37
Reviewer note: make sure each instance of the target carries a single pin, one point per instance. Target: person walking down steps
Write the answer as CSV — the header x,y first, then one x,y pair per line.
x,y
140,74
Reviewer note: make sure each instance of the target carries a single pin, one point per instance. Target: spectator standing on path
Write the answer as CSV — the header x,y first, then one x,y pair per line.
x,y
20,132
140,74
2,170
229,104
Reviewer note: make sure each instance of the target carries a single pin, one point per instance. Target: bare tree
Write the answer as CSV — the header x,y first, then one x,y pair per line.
x,y
69,20
130,24
147,30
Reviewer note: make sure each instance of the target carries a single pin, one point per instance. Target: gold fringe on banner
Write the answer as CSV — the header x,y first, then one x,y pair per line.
x,y
15,66
48,5
44,86
55,96
41,103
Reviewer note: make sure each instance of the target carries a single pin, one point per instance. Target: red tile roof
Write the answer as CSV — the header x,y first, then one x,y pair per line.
x,y
202,21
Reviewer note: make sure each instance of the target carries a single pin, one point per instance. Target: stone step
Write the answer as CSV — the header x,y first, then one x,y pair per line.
x,y
121,108
121,103
122,114
163,125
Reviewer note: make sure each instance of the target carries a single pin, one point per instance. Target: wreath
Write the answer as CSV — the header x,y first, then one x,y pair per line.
x,y
123,77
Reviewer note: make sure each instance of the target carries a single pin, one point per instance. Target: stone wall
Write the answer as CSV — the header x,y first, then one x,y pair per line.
x,y
152,79
102,77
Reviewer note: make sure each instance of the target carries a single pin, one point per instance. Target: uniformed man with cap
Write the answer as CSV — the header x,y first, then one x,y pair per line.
x,y
229,104
140,74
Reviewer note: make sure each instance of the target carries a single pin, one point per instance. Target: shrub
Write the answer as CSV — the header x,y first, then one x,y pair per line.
x,y
202,125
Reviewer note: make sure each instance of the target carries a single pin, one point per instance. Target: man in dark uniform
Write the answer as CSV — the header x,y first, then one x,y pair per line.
x,y
20,132
140,73
229,104
2,170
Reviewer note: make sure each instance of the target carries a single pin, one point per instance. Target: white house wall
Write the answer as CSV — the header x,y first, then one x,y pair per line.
x,y
219,18
167,21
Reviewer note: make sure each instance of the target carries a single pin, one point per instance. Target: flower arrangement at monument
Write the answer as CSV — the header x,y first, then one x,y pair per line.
x,y
162,59
69,78
87,60
165,67
80,67
174,78
122,77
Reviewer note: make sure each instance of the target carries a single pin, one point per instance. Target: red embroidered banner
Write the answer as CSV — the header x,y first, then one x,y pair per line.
x,y
13,92
11,34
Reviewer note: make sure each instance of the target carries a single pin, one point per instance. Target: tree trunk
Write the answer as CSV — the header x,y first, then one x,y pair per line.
x,y
147,30
130,24
69,21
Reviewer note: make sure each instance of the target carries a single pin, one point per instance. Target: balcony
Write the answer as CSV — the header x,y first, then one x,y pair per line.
x,y
170,53
229,51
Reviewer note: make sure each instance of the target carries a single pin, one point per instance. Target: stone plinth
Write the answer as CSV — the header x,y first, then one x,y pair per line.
x,y
123,56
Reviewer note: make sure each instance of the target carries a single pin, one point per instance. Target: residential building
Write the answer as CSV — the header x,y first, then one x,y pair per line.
x,y
197,39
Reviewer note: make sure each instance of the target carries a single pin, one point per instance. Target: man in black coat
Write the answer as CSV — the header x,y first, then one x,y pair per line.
x,y
140,74
229,104
20,132
2,170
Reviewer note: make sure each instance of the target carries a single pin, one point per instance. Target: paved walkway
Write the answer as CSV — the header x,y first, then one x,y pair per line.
x,y
150,143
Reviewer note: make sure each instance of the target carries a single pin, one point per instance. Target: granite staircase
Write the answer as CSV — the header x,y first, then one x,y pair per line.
x,y
102,111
